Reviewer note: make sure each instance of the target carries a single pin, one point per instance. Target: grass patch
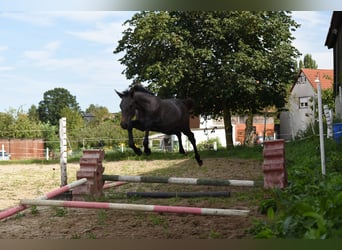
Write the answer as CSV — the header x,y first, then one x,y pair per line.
x,y
242,152
310,207
60,211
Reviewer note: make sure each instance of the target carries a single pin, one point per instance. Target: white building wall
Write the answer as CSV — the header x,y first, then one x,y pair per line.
x,y
200,137
285,126
298,118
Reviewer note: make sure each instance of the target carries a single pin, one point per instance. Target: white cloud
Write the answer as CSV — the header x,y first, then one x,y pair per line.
x,y
6,68
73,50
3,48
48,50
103,33
324,60
311,18
36,18
83,16
310,37
49,18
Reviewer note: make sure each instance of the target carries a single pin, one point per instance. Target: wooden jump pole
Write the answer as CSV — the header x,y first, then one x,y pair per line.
x,y
177,194
137,207
179,180
113,184
51,194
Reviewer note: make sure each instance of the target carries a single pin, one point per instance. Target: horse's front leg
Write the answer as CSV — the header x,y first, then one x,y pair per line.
x,y
191,137
131,143
145,143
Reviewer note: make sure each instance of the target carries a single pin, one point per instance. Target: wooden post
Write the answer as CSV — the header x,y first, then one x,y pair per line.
x,y
3,151
63,151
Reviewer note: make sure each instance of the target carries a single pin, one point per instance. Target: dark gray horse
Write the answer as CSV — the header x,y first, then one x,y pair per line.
x,y
168,116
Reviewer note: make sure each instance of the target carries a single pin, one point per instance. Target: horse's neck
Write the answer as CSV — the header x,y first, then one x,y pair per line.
x,y
147,103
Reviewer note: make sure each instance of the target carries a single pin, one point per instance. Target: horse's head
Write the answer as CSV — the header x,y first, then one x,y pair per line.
x,y
127,106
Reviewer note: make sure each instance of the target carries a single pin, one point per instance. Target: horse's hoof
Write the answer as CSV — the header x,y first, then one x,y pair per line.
x,y
147,151
138,151
200,163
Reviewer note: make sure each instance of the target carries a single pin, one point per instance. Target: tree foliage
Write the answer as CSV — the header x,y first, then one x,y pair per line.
x,y
308,62
101,129
227,61
17,124
49,109
6,120
98,114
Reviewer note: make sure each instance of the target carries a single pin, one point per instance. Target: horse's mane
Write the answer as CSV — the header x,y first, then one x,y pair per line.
x,y
137,88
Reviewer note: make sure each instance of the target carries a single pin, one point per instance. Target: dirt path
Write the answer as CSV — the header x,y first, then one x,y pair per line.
x,y
31,181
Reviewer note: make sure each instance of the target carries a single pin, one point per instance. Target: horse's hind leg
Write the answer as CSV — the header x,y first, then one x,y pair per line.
x,y
191,137
181,149
145,143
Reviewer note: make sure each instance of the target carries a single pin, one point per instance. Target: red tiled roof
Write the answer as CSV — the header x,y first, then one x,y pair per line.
x,y
326,77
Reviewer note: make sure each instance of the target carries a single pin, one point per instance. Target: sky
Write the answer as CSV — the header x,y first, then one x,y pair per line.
x,y
43,50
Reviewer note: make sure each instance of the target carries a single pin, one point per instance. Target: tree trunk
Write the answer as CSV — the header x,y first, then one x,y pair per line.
x,y
249,133
228,128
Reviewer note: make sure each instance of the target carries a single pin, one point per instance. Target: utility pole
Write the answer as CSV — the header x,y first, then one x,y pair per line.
x,y
320,121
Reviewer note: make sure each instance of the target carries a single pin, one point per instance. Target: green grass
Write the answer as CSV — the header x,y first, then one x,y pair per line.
x,y
310,207
243,152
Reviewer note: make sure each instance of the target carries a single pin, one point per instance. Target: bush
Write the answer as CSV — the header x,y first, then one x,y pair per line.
x,y
209,144
310,207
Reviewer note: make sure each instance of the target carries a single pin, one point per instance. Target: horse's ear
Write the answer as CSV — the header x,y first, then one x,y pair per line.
x,y
119,93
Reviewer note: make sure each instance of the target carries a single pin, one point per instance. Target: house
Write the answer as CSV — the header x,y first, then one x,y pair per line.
x,y
334,41
207,129
300,110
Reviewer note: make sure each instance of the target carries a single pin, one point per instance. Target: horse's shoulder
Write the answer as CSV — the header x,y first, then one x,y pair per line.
x,y
187,102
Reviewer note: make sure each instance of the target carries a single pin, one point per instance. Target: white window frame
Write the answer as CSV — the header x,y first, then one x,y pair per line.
x,y
304,102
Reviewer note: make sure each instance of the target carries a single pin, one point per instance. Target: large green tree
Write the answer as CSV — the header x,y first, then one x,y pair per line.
x,y
227,61
54,101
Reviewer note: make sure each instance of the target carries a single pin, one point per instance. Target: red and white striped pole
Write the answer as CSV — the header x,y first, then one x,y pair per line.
x,y
137,207
53,193
113,184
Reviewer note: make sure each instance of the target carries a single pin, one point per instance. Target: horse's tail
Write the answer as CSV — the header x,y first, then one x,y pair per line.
x,y
189,103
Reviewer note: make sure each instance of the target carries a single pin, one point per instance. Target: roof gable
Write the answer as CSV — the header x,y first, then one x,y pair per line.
x,y
326,77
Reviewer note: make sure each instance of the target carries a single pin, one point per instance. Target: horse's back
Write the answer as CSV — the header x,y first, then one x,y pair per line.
x,y
174,114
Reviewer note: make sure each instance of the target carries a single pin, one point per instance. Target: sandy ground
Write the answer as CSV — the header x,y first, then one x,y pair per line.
x,y
31,181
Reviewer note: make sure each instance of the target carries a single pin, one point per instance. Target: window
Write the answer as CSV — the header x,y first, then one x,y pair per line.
x,y
304,102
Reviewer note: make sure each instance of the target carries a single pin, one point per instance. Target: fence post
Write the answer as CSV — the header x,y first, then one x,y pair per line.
x,y
47,154
63,151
